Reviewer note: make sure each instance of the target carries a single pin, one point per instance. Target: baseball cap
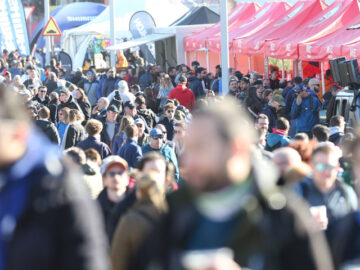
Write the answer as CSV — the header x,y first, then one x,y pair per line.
x,y
244,79
89,73
113,108
139,121
111,160
299,87
279,99
314,81
129,104
155,133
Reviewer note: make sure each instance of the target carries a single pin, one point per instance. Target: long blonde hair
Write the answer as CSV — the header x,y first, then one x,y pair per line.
x,y
125,121
151,191
165,82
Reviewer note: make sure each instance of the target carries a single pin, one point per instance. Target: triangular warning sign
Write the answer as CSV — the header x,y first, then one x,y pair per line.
x,y
51,29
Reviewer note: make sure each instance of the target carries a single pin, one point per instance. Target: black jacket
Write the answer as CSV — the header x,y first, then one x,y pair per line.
x,y
106,205
61,227
85,108
45,102
276,235
51,86
75,133
53,109
49,130
69,104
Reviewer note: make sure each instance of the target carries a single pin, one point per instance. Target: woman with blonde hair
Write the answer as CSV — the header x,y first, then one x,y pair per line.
x,y
120,138
135,226
63,116
165,87
75,132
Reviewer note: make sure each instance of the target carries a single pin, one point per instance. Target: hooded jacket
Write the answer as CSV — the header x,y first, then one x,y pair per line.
x,y
276,140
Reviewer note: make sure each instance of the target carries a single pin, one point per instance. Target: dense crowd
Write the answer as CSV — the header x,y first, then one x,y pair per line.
x,y
160,170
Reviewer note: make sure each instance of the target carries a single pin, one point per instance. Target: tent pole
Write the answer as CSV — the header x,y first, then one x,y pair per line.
x,y
47,39
249,60
300,70
266,63
224,46
207,60
235,64
282,69
112,32
322,78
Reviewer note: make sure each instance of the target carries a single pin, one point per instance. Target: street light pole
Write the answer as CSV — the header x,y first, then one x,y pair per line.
x,y
224,47
112,8
47,39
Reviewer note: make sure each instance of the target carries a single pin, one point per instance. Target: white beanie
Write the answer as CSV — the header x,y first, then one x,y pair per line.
x,y
123,86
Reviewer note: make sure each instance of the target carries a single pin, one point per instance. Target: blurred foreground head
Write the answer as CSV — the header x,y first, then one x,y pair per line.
x,y
14,127
218,146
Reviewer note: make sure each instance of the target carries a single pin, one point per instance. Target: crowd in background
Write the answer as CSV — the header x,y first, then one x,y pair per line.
x,y
138,133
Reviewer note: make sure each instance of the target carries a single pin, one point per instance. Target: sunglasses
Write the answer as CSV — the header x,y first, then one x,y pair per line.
x,y
321,167
170,111
177,131
42,91
158,137
112,174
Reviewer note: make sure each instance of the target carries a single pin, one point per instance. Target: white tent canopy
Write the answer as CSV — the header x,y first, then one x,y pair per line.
x,y
75,41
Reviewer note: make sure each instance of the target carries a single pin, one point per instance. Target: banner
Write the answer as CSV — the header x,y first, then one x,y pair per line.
x,y
66,62
141,25
13,30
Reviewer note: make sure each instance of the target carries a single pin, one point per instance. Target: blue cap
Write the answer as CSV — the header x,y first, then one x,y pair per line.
x,y
155,132
89,73
299,87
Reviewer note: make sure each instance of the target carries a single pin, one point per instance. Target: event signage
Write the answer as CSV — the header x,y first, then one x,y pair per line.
x,y
141,25
13,30
51,29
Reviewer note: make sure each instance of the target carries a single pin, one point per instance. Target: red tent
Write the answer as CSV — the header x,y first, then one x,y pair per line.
x,y
352,50
325,23
269,13
299,14
330,46
239,15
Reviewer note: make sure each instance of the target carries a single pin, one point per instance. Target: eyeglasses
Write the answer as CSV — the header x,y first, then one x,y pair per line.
x,y
158,137
42,91
321,167
170,111
112,174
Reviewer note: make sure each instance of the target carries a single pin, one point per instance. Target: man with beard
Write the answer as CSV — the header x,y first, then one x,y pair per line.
x,y
230,199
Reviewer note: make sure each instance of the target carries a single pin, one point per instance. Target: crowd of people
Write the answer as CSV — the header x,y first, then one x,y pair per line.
x,y
138,168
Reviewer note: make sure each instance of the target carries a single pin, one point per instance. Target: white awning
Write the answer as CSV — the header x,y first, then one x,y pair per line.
x,y
139,41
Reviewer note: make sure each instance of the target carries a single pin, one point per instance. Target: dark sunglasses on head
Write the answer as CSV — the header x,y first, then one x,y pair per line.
x,y
112,174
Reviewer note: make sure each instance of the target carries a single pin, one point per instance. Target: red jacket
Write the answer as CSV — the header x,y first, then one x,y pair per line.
x,y
184,95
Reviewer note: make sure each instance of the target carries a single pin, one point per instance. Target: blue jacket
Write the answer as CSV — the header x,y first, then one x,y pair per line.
x,y
91,142
306,114
195,85
145,80
167,152
118,142
271,114
275,141
339,201
131,152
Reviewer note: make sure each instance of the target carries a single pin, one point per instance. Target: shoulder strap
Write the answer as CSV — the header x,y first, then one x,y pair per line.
x,y
145,216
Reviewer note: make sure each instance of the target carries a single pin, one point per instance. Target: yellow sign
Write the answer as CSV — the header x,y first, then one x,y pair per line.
x,y
51,29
